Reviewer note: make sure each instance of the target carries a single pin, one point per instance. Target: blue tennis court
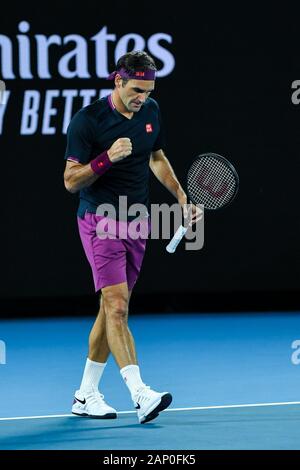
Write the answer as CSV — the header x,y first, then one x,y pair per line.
x,y
234,381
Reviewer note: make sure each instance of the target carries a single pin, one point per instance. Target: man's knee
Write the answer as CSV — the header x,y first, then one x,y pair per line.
x,y
115,302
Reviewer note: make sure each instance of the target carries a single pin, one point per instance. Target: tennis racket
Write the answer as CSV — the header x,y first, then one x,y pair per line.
x,y
211,181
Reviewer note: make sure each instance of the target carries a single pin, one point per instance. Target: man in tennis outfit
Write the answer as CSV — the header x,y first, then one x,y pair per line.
x,y
110,146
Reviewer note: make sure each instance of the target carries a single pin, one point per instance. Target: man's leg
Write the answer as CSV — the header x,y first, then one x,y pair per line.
x,y
120,341
96,363
88,401
98,345
119,338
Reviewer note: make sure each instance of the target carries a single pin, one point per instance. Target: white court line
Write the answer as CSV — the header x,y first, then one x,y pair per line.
x,y
216,407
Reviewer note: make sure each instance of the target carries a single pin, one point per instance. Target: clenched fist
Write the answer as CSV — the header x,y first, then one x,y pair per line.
x,y
120,149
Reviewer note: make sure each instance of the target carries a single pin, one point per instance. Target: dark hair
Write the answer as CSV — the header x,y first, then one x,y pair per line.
x,y
136,61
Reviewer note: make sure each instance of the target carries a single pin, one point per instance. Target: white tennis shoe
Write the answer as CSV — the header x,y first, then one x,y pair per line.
x,y
149,403
91,403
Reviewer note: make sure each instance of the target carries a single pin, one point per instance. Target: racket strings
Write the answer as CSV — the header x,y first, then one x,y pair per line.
x,y
211,182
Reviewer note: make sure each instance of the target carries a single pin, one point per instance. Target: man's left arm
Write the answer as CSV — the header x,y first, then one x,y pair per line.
x,y
164,172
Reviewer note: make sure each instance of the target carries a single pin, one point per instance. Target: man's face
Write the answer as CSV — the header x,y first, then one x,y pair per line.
x,y
135,93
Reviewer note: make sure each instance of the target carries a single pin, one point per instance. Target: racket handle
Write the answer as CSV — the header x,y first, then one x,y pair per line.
x,y
179,234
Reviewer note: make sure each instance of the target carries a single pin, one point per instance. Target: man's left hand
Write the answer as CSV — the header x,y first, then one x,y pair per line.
x,y
190,211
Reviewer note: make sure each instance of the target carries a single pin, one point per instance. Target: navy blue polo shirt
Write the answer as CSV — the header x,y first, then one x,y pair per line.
x,y
93,130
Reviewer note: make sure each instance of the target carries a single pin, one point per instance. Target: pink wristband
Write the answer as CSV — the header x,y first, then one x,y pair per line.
x,y
101,163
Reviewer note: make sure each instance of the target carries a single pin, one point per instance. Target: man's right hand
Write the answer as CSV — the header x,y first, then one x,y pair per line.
x,y
120,149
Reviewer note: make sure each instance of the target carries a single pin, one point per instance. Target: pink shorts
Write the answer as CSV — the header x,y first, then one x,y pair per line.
x,y
114,249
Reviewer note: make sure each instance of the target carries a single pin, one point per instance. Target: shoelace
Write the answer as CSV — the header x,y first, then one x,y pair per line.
x,y
95,397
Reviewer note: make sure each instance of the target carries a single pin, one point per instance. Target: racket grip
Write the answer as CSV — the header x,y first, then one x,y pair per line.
x,y
179,234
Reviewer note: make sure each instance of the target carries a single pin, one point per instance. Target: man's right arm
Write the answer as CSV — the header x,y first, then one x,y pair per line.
x,y
78,176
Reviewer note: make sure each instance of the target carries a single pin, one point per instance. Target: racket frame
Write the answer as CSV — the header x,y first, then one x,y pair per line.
x,y
229,164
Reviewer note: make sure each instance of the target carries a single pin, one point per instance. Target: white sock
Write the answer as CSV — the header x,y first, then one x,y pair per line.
x,y
92,374
132,378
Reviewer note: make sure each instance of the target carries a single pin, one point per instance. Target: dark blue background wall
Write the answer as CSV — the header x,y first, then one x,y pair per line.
x,y
230,92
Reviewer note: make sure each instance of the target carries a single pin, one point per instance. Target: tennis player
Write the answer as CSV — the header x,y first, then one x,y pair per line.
x,y
110,146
